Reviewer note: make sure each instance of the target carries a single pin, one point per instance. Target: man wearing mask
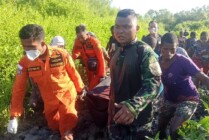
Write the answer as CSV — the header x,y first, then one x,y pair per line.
x,y
153,32
53,70
135,80
89,49
57,41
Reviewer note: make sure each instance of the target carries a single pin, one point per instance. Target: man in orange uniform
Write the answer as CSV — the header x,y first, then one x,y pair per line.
x,y
89,49
53,70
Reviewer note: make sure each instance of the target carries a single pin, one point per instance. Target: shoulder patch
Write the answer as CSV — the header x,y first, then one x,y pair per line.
x,y
19,69
56,61
155,69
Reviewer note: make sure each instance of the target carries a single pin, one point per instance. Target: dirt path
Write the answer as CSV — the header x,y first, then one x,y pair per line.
x,y
33,127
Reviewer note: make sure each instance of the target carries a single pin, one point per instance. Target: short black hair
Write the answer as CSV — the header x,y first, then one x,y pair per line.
x,y
80,28
32,31
181,32
153,21
126,13
193,34
169,38
151,41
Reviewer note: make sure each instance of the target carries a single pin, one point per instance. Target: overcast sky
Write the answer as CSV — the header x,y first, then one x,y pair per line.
x,y
174,6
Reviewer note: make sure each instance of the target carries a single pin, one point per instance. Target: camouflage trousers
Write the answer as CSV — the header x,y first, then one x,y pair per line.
x,y
184,109
128,132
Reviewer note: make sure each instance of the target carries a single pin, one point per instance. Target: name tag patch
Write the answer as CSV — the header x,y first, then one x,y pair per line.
x,y
89,47
36,68
56,61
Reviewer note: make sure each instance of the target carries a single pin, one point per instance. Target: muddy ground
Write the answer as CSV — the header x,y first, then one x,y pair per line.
x,y
33,126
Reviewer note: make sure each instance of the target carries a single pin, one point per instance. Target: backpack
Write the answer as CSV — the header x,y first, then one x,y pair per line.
x,y
97,102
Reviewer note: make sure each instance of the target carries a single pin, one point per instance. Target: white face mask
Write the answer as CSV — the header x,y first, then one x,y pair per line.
x,y
153,30
33,54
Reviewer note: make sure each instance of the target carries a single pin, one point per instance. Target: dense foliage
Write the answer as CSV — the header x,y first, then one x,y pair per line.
x,y
195,19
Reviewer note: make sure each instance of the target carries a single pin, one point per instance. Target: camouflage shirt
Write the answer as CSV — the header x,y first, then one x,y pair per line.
x,y
135,77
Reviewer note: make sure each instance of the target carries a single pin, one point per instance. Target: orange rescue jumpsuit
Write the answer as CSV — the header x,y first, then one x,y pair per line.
x,y
58,82
90,49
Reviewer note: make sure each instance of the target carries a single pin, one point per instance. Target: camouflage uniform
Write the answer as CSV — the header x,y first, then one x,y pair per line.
x,y
135,77
184,110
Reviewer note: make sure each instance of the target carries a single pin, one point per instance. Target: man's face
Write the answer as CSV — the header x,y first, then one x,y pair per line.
x,y
193,36
204,38
168,50
125,29
29,44
153,28
82,36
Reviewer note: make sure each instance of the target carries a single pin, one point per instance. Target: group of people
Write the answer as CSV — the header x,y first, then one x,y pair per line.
x,y
137,71
180,92
198,50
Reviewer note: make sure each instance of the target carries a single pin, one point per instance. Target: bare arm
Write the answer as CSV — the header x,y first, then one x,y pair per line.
x,y
203,78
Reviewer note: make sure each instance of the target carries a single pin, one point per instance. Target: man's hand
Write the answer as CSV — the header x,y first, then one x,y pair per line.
x,y
123,115
12,126
101,79
81,95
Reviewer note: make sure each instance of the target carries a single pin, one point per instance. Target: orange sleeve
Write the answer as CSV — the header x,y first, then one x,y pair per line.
x,y
74,75
19,88
75,52
99,54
